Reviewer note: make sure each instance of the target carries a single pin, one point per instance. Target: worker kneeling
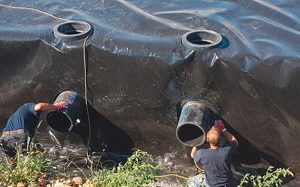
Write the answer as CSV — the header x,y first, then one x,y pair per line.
x,y
216,161
21,126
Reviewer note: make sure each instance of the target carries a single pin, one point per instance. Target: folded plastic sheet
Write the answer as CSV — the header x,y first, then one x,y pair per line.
x,y
138,69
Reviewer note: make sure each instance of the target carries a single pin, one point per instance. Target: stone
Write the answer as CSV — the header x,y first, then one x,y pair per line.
x,y
77,180
21,184
42,182
58,184
69,182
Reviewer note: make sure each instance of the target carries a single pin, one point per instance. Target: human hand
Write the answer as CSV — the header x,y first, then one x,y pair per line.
x,y
220,125
60,105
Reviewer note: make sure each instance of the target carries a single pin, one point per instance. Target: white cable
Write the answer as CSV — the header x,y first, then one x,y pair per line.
x,y
33,9
85,90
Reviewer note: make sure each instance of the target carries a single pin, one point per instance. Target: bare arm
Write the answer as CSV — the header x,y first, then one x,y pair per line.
x,y
45,107
230,137
194,149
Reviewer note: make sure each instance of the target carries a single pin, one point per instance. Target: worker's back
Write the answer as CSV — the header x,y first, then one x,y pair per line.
x,y
24,118
216,164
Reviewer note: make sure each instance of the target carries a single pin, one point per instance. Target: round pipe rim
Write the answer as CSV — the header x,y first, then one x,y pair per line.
x,y
217,38
191,123
65,115
78,29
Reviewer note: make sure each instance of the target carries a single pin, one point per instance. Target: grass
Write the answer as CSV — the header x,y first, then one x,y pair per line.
x,y
27,169
137,171
24,168
273,177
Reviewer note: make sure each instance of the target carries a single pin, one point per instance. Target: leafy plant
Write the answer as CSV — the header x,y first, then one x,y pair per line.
x,y
273,177
24,168
138,170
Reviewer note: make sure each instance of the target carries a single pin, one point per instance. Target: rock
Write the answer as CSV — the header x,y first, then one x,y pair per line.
x,y
58,184
21,184
169,163
69,182
88,184
77,180
42,182
167,159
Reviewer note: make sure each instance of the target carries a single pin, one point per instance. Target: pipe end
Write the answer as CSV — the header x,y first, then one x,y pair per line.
x,y
201,39
190,134
58,121
72,30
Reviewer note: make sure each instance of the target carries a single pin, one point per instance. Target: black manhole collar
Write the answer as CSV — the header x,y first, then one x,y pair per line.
x,y
72,30
201,39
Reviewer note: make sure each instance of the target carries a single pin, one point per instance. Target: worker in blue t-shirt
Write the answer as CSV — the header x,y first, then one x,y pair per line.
x,y
216,161
21,126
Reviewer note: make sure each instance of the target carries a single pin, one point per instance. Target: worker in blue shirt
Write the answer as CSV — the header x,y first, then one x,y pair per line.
x,y
21,126
216,160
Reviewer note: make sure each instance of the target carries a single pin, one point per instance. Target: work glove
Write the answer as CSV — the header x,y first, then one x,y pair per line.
x,y
60,105
220,125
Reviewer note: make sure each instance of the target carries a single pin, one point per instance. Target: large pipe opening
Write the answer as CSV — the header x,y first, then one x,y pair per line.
x,y
59,121
191,134
65,119
194,122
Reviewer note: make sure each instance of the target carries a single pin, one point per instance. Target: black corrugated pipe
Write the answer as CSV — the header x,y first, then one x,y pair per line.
x,y
65,119
194,122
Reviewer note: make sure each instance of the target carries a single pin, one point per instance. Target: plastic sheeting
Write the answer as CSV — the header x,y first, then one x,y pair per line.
x,y
138,70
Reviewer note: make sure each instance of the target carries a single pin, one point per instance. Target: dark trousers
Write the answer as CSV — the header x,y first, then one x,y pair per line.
x,y
14,140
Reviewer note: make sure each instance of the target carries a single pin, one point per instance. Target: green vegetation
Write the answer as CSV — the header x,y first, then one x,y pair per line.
x,y
273,177
25,168
137,171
